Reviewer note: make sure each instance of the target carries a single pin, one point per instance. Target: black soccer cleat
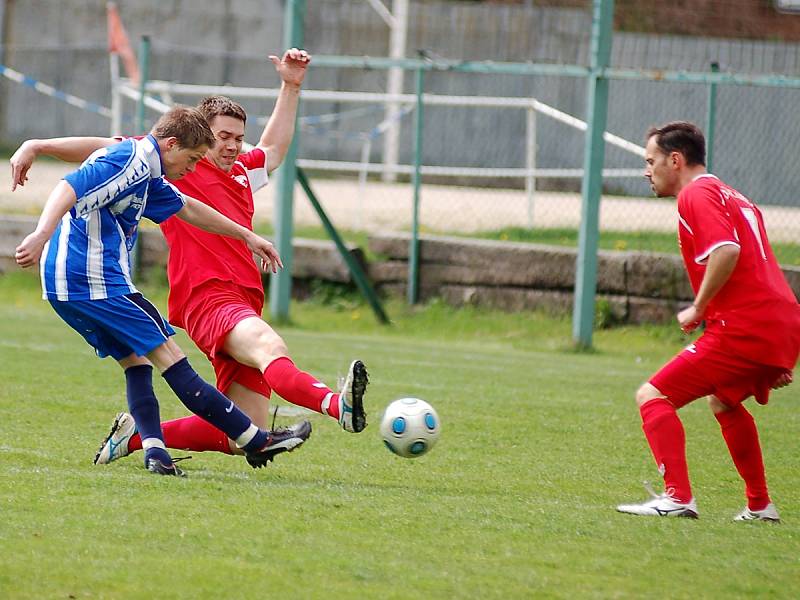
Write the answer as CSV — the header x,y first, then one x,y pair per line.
x,y
159,468
352,417
282,439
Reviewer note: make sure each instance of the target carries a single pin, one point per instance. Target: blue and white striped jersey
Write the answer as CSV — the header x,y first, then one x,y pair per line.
x,y
88,256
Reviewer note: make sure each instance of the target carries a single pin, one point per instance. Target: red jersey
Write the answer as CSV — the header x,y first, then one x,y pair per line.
x,y
196,256
756,311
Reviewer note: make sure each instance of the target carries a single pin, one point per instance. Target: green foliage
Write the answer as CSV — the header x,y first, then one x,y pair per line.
x,y
359,238
339,296
646,241
516,501
604,317
643,241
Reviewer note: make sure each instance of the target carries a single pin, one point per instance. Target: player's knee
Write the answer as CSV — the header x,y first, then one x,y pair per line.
x,y
647,392
277,347
269,343
269,348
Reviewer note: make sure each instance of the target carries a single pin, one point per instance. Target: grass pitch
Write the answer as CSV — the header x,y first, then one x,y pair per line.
x,y
516,501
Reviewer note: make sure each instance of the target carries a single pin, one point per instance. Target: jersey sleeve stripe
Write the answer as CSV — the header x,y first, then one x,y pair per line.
x,y
124,259
180,194
94,257
61,259
111,188
703,258
685,224
258,178
119,174
149,310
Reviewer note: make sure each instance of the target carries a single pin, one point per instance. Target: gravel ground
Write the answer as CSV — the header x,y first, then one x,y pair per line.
x,y
384,207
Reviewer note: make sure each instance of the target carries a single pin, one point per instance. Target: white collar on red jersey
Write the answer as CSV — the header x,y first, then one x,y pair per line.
x,y
696,177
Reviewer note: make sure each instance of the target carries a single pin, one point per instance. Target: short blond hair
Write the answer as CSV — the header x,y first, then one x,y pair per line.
x,y
187,125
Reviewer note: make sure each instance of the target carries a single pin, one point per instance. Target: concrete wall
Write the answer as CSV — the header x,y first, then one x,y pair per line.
x,y
632,287
62,42
313,259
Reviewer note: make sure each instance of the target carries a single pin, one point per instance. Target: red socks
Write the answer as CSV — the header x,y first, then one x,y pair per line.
x,y
292,384
664,433
189,433
741,436
298,387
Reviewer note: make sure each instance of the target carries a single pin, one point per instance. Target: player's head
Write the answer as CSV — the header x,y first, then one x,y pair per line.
x,y
183,137
227,120
671,151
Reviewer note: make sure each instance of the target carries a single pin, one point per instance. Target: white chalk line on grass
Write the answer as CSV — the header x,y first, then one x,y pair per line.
x,y
34,346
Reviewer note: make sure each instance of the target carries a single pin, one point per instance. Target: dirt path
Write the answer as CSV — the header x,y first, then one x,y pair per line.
x,y
386,207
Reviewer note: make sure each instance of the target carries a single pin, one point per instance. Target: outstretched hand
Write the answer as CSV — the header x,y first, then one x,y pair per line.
x,y
292,67
21,161
270,259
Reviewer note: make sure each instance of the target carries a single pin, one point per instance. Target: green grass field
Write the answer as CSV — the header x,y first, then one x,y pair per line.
x,y
516,501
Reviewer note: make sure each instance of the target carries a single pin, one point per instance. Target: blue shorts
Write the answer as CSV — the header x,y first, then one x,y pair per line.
x,y
116,327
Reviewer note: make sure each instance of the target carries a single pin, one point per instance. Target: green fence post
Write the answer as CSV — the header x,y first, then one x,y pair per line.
x,y
711,125
359,276
139,126
144,67
413,249
592,185
280,284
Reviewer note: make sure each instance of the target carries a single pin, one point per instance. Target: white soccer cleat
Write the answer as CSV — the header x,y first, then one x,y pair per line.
x,y
662,505
352,417
116,443
769,514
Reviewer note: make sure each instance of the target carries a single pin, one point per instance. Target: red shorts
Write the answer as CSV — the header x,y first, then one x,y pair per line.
x,y
703,368
213,311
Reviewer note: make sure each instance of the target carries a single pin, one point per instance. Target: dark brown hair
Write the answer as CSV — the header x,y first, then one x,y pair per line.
x,y
187,125
683,137
221,106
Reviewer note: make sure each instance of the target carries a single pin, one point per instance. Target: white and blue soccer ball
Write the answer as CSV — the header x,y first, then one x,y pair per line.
x,y
410,427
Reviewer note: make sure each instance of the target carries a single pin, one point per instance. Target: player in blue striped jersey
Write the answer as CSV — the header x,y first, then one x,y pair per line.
x,y
84,237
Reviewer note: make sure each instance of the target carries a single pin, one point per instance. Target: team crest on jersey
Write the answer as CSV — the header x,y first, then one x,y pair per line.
x,y
241,180
132,200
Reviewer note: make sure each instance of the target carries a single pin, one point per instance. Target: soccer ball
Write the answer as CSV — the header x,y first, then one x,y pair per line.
x,y
410,427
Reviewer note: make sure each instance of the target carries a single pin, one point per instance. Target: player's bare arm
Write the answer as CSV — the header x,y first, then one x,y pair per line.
x,y
61,199
203,216
69,149
721,263
277,134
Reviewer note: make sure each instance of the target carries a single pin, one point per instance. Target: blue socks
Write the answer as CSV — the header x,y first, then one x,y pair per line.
x,y
143,404
211,405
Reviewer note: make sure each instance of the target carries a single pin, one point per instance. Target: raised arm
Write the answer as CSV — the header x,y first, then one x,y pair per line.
x,y
61,199
277,134
69,149
203,216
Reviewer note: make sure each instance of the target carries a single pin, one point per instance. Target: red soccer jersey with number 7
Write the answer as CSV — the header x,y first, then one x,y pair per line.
x,y
755,312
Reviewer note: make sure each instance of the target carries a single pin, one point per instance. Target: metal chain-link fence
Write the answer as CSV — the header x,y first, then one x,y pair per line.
x,y
499,166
